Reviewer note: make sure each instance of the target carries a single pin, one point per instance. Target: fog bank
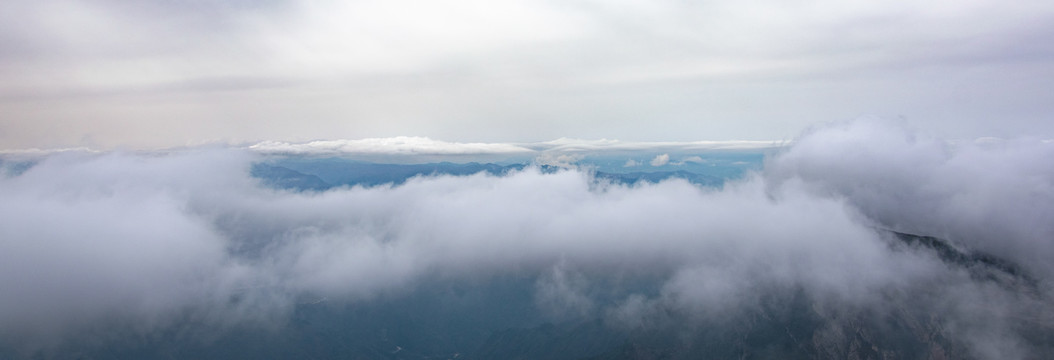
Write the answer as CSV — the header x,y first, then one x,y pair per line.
x,y
139,242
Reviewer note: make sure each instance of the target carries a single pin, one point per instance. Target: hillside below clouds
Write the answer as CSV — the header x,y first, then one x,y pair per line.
x,y
858,240
341,172
502,319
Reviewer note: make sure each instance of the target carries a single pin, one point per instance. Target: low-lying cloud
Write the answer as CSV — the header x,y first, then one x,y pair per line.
x,y
401,145
141,241
992,196
660,160
416,146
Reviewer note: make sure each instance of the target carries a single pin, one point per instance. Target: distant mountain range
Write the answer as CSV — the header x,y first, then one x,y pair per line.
x,y
324,174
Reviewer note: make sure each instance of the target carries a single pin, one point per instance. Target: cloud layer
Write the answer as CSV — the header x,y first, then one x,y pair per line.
x,y
402,145
105,73
992,195
140,241
416,146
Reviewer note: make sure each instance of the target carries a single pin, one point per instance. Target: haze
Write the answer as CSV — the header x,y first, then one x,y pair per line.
x,y
146,75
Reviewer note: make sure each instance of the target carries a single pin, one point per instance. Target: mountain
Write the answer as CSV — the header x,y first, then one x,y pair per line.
x,y
788,324
284,178
343,172
657,176
981,266
499,319
324,174
14,167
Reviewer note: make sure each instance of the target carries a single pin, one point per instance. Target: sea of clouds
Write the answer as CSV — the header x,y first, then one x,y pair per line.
x,y
138,241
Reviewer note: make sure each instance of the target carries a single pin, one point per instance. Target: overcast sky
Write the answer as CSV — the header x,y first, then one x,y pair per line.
x,y
148,74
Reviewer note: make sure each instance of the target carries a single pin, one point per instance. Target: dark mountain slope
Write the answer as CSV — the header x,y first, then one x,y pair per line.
x,y
788,324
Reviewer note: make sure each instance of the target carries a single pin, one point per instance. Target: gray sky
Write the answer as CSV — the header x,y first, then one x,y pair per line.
x,y
108,73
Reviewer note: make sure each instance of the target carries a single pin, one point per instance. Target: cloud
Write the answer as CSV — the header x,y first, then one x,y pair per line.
x,y
915,183
137,241
660,160
401,145
690,159
632,163
296,70
311,39
583,145
558,159
563,150
35,152
562,294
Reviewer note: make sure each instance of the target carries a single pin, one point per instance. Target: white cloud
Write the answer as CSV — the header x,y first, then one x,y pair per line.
x,y
660,160
583,145
690,159
406,145
915,183
401,145
149,238
632,163
558,160
35,152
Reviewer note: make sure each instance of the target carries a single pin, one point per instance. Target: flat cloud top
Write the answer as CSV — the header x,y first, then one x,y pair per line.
x,y
401,145
406,145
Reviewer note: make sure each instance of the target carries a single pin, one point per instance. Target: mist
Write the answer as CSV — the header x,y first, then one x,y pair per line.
x,y
131,243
